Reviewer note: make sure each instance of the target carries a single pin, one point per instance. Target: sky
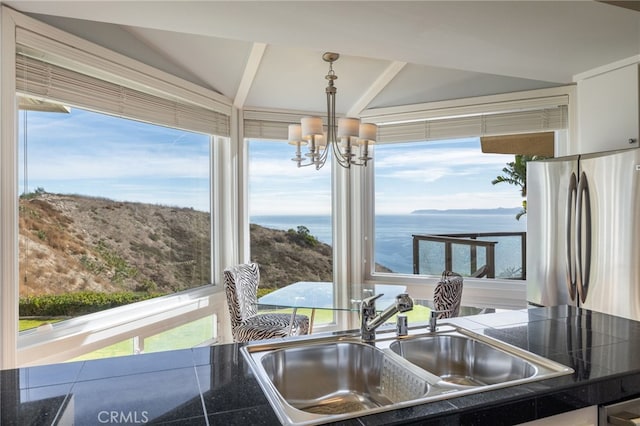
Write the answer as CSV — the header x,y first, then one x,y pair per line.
x,y
452,174
97,155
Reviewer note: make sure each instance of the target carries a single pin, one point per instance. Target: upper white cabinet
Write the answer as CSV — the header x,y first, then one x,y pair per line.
x,y
608,110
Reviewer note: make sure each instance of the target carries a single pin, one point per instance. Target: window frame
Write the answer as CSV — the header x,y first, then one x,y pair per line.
x,y
343,289
346,203
84,334
496,293
354,191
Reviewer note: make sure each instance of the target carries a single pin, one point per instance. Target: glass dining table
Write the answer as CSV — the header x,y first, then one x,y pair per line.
x,y
319,296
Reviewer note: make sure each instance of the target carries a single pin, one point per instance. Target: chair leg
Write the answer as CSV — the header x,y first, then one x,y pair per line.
x,y
313,316
293,318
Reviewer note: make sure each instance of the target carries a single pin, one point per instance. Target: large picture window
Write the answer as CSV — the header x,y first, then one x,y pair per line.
x,y
113,201
436,208
111,211
291,228
290,216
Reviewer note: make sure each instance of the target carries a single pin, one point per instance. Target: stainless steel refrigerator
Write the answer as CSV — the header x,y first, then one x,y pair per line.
x,y
583,232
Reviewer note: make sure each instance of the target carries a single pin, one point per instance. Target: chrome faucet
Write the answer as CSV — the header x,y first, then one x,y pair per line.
x,y
370,321
433,319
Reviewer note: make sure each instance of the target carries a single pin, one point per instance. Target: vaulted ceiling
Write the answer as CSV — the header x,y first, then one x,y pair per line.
x,y
266,54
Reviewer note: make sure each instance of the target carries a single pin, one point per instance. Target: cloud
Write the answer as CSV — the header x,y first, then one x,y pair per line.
x,y
278,187
98,155
423,156
84,145
445,175
284,168
129,164
300,202
397,204
427,164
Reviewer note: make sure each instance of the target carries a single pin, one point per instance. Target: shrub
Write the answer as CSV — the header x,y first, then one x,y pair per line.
x,y
31,195
302,237
262,291
75,304
121,268
147,286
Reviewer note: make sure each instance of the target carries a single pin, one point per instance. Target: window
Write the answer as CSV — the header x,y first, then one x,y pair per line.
x,y
144,108
290,220
439,194
297,203
111,211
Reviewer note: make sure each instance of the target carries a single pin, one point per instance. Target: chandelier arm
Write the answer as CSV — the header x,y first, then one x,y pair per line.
x,y
306,164
321,159
340,157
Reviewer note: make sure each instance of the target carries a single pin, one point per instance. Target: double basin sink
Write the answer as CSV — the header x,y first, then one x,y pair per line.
x,y
319,380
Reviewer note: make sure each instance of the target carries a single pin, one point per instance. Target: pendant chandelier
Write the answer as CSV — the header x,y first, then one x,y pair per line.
x,y
348,138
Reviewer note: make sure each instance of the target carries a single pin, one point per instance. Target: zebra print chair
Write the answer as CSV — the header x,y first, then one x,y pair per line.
x,y
241,287
447,295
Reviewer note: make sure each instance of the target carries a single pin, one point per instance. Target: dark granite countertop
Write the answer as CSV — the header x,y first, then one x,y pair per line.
x,y
213,385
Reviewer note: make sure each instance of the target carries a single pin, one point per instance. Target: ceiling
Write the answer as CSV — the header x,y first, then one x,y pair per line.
x,y
267,54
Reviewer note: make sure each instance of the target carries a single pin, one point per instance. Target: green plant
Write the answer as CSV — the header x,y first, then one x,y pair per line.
x,y
511,272
93,266
147,285
302,236
30,195
263,291
121,268
28,323
516,174
80,303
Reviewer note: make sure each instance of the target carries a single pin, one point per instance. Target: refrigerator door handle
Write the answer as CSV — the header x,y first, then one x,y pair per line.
x,y
570,254
583,266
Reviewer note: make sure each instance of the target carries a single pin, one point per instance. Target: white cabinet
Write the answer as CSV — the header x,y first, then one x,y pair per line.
x,y
608,110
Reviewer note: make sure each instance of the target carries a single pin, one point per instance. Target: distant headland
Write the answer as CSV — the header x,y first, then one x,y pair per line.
x,y
499,210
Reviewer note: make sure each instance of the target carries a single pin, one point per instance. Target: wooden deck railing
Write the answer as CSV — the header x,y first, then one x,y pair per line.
x,y
471,240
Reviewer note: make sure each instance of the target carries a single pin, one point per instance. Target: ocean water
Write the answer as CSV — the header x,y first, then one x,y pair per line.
x,y
394,241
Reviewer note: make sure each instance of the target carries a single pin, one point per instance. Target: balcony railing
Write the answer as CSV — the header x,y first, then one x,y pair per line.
x,y
475,251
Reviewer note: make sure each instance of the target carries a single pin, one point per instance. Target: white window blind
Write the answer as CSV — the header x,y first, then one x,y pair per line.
x,y
530,121
269,124
273,125
45,80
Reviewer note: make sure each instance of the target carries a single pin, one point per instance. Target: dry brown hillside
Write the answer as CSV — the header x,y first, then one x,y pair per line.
x,y
75,243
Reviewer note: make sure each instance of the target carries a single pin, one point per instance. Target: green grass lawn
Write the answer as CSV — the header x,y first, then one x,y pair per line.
x,y
325,316
183,337
26,324
194,333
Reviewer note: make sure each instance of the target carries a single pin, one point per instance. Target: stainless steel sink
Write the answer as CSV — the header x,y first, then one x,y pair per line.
x,y
464,361
340,377
322,380
317,380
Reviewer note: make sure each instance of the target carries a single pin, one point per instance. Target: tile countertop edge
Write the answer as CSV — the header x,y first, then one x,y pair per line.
x,y
535,400
217,384
505,409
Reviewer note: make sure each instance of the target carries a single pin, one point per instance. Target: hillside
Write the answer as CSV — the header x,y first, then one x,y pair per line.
x,y
74,243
